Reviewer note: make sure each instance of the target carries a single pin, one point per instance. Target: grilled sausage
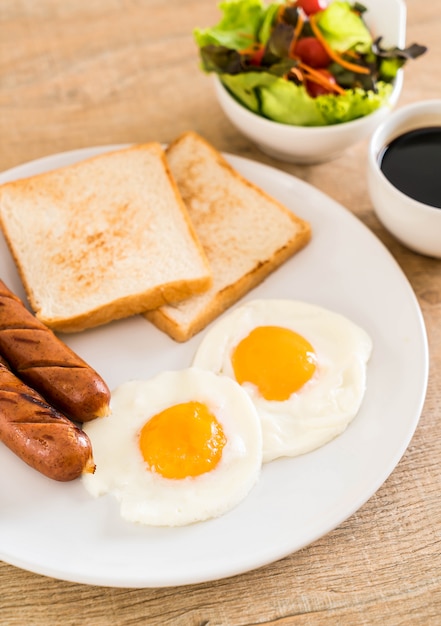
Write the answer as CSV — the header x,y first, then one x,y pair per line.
x,y
46,364
40,435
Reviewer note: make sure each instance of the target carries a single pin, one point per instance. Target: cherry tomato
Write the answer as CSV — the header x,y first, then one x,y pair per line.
x,y
312,52
314,89
312,6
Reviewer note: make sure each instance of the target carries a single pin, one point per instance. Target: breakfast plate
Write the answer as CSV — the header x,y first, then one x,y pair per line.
x,y
59,530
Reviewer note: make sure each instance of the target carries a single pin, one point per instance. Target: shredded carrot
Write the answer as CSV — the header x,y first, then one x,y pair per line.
x,y
332,53
316,77
296,34
251,49
280,12
352,54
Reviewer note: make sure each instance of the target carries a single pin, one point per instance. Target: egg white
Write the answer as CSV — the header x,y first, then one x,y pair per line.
x,y
326,404
146,496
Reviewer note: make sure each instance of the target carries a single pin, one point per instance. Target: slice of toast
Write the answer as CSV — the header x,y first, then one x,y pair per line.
x,y
246,234
102,239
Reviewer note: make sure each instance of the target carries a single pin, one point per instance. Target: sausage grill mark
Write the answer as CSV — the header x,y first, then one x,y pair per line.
x,y
47,365
39,434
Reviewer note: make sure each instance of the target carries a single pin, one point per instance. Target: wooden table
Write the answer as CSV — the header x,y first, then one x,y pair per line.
x,y
75,74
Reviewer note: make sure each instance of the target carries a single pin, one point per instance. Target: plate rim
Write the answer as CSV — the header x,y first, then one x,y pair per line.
x,y
242,162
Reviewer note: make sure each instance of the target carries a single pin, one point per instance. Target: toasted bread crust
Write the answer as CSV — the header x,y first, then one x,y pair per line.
x,y
105,238
221,300
239,258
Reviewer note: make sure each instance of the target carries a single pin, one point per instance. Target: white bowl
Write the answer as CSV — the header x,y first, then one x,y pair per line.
x,y
301,144
415,224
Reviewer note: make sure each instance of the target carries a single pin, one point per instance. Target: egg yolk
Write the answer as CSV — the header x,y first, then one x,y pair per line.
x,y
183,440
277,360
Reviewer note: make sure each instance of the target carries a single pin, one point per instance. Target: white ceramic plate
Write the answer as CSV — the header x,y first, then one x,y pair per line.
x,y
57,529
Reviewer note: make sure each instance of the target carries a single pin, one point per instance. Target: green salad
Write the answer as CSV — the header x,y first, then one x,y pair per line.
x,y
308,62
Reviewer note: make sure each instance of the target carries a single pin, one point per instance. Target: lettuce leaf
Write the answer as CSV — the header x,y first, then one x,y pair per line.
x,y
343,28
267,22
238,28
390,60
249,25
285,102
355,103
289,103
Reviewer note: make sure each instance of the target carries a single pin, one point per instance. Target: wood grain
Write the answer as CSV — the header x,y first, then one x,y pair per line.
x,y
75,74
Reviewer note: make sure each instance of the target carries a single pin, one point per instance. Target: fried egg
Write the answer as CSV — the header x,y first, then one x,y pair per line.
x,y
304,368
181,447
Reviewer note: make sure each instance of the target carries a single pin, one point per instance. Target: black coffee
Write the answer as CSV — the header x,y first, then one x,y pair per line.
x,y
412,163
